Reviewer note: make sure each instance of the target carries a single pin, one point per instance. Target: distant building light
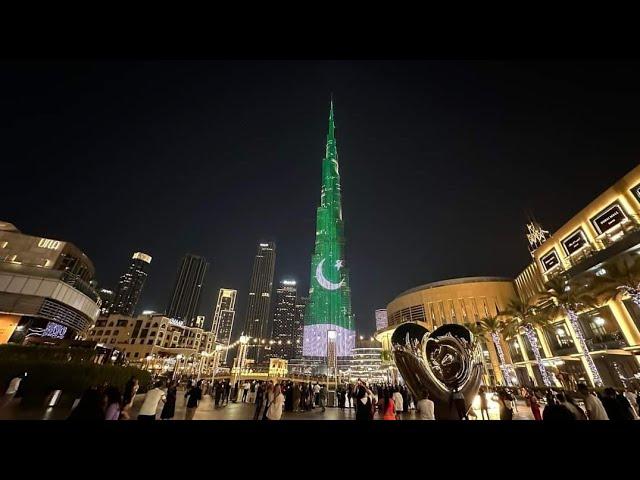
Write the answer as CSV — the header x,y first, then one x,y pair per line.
x,y
148,312
142,256
288,282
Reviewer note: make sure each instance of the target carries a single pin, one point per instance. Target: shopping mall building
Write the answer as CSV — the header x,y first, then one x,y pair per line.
x,y
45,288
607,228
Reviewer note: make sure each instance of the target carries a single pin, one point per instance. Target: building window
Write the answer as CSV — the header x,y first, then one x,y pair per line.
x,y
107,332
116,332
122,323
136,355
101,323
99,332
150,341
110,324
147,325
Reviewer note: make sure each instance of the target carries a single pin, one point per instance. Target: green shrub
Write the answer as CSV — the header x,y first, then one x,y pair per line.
x,y
48,369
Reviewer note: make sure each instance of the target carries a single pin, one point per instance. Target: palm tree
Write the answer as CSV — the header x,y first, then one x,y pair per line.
x,y
569,299
494,326
525,316
621,277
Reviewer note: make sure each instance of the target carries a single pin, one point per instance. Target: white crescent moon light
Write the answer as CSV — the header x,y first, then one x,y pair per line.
x,y
324,283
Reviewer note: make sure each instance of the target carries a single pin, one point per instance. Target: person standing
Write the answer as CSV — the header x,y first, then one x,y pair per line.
x,y
130,391
245,391
506,407
460,404
633,402
567,403
151,401
363,402
592,404
535,406
484,404
91,406
322,396
276,405
195,395
114,403
388,406
260,391
405,399
349,395
169,408
227,392
426,408
268,398
295,396
397,401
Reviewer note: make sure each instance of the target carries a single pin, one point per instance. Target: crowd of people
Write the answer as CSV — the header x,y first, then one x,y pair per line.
x,y
551,405
388,401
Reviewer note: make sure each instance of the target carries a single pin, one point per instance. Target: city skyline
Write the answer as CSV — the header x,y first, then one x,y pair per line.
x,y
432,119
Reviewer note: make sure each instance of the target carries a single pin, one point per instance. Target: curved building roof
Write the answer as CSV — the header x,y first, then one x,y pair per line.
x,y
454,281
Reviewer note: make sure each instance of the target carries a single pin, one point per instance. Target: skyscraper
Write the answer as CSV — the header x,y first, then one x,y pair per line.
x,y
329,293
130,285
223,316
186,291
284,318
298,326
260,288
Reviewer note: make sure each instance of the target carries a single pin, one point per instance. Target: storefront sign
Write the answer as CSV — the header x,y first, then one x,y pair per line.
x,y
550,260
574,242
609,218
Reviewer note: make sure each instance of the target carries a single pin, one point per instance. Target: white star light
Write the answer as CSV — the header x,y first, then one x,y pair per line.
x,y
339,264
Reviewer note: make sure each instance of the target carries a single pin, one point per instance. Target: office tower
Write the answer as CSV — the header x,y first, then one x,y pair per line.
x,y
259,301
199,321
186,291
329,293
381,319
284,318
298,326
130,285
223,317
107,296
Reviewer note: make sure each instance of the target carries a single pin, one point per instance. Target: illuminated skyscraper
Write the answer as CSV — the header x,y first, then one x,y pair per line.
x,y
186,291
223,317
329,293
284,319
298,326
130,285
260,288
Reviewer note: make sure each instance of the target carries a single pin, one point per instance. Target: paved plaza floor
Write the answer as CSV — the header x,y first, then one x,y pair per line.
x,y
232,411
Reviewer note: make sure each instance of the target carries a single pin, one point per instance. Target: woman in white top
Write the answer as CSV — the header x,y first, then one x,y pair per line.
x,y
398,402
274,412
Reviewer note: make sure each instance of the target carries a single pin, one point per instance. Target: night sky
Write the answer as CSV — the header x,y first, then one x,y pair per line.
x,y
441,162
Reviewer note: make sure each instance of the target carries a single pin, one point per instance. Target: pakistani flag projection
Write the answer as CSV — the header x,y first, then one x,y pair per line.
x,y
329,307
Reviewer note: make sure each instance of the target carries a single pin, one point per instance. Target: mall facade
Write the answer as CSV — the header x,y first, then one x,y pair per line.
x,y
45,288
606,229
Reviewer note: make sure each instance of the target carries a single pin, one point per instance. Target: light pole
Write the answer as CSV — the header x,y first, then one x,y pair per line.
x,y
175,370
241,359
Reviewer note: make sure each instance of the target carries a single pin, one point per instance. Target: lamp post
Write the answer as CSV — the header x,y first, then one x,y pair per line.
x,y
241,359
175,370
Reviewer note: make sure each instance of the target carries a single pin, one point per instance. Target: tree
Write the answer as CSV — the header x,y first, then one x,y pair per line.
x,y
494,326
622,277
526,317
569,299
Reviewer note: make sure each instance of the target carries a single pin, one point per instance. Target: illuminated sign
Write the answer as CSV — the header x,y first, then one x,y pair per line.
x,y
550,260
49,244
142,256
175,321
574,242
52,330
609,218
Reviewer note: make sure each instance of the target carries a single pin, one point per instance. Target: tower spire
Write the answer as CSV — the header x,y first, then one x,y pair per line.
x,y
331,122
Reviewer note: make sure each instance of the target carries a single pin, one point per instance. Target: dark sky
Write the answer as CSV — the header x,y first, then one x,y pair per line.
x,y
440,162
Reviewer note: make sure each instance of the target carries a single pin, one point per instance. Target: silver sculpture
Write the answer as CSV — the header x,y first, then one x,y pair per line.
x,y
441,362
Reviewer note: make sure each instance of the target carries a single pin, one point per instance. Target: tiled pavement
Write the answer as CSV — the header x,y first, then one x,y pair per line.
x,y
232,411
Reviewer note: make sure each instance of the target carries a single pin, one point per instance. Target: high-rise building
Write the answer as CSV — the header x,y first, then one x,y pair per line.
x,y
260,288
130,285
381,319
284,319
223,317
107,296
186,291
298,326
329,293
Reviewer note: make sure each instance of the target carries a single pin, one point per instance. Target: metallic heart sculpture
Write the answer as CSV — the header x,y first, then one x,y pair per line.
x,y
446,360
